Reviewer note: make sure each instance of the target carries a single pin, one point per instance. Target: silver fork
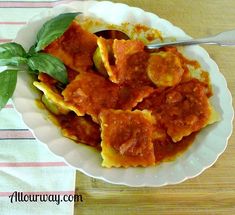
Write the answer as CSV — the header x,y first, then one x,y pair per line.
x,y
226,38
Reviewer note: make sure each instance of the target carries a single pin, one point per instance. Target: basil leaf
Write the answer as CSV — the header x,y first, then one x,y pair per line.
x,y
8,80
8,50
50,65
14,61
53,29
31,50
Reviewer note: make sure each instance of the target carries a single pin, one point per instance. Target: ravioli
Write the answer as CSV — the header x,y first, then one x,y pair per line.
x,y
106,55
90,94
126,138
56,98
125,61
74,48
181,110
80,129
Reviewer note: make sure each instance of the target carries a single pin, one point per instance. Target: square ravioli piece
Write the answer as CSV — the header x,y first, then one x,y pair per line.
x,y
90,93
74,48
127,138
182,109
125,61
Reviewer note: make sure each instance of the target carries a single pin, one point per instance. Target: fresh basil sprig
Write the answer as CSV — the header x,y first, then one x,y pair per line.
x,y
12,54
48,64
53,29
16,59
9,50
8,80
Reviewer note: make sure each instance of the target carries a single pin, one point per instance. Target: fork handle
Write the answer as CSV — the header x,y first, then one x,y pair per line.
x,y
226,38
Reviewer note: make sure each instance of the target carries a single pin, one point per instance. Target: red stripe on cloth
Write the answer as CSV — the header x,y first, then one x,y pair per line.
x,y
13,23
32,164
15,134
5,40
9,106
2,194
32,4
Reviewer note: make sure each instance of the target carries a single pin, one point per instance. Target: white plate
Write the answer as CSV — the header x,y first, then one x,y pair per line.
x,y
209,144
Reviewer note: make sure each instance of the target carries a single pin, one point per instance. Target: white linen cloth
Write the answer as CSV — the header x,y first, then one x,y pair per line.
x,y
25,164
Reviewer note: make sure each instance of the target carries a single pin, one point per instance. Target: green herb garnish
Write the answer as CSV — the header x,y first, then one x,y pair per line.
x,y
53,29
48,64
15,58
9,50
8,80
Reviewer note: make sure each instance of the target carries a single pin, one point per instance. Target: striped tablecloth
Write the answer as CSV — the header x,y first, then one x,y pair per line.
x,y
26,165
